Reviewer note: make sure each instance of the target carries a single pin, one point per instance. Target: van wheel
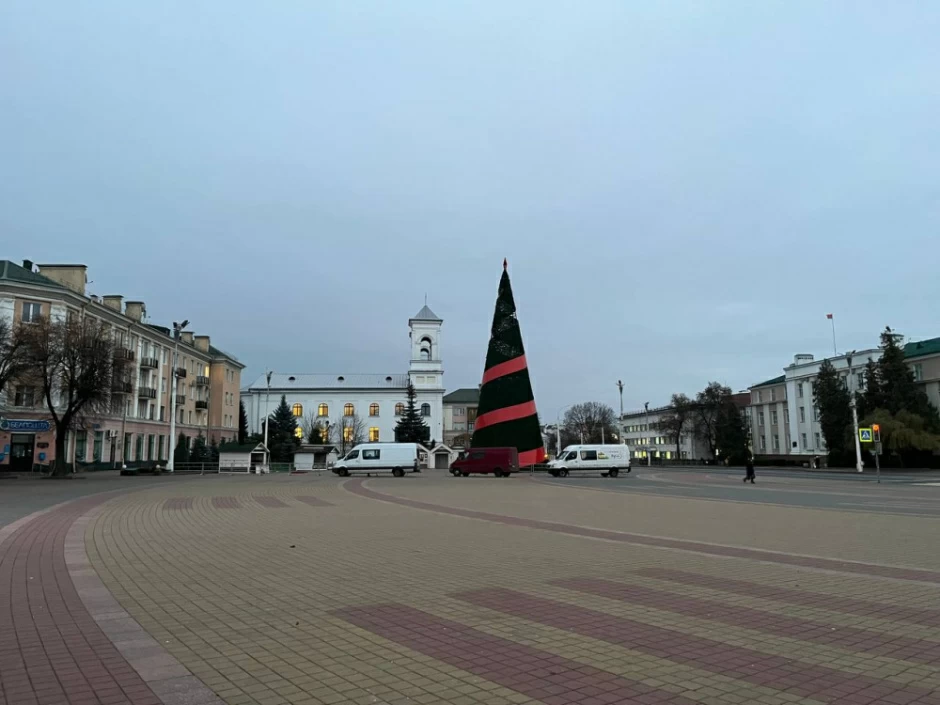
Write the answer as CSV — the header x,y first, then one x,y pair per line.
x,y
455,473
343,472
614,472
563,473
498,472
398,472
465,474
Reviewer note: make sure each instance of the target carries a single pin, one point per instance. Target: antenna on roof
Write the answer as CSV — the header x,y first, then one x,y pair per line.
x,y
425,298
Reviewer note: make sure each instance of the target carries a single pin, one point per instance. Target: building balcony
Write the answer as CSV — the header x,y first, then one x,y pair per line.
x,y
181,373
202,381
123,355
146,393
122,387
202,405
149,363
180,399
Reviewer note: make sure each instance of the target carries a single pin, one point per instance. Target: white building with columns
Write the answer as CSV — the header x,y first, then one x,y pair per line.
x,y
377,400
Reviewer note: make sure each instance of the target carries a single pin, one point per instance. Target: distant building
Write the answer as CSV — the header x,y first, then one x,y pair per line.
x,y
783,417
460,413
376,400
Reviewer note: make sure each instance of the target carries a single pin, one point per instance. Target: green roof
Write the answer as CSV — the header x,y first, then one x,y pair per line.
x,y
463,396
922,347
770,382
236,447
10,271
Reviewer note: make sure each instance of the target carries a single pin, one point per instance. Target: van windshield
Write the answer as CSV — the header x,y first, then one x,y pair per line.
x,y
571,455
351,455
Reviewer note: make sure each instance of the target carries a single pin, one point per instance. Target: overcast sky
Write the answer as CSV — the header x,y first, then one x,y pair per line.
x,y
683,190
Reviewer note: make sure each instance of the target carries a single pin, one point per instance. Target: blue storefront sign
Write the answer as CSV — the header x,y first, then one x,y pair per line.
x,y
24,425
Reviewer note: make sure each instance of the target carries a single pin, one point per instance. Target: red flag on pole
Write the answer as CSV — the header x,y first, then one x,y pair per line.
x,y
829,316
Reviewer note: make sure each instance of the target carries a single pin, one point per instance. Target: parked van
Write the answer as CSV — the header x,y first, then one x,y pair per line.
x,y
608,460
377,458
499,461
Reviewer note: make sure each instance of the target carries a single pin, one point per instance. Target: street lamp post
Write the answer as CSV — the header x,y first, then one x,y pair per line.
x,y
267,410
649,455
620,389
174,375
858,446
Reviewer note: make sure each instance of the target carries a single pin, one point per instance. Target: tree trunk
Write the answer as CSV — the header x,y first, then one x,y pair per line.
x,y
60,466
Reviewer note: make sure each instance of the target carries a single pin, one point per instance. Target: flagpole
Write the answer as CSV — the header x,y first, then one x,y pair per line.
x,y
832,320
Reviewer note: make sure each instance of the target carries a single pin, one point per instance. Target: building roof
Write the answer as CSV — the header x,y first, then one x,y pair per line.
x,y
10,271
922,347
771,382
470,395
284,380
426,314
236,447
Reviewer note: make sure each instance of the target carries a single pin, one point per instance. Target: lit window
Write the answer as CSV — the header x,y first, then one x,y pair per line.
x,y
348,433
349,410
399,409
373,409
425,409
323,410
297,410
374,434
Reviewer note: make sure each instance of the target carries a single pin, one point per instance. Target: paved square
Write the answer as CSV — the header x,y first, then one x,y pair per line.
x,y
304,590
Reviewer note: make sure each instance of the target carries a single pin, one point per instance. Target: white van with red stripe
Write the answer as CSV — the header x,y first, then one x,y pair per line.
x,y
607,460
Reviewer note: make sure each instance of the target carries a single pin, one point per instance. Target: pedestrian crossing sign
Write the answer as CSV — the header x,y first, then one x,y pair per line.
x,y
864,435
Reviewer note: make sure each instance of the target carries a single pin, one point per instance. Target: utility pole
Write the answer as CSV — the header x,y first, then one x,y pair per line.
x,y
649,453
267,411
620,388
177,332
859,467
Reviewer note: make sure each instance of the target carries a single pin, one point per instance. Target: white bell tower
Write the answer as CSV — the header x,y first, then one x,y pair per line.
x,y
426,369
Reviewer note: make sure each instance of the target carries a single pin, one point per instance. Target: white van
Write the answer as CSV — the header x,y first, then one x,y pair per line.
x,y
608,460
376,458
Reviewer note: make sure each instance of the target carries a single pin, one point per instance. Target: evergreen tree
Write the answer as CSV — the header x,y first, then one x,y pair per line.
x,y
242,423
507,416
872,396
411,427
214,451
181,453
899,391
833,400
732,438
199,453
315,437
282,435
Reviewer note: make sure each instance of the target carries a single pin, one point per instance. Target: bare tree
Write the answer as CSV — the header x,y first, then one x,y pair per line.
x,y
351,432
678,420
589,422
71,362
12,353
707,416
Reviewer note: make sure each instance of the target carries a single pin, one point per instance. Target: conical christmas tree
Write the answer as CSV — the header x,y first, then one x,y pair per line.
x,y
506,415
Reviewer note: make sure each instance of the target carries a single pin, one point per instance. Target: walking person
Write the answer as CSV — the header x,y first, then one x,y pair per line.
x,y
749,470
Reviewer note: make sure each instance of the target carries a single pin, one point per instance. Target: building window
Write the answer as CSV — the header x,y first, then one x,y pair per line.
x,y
918,372
348,433
128,442
776,442
759,396
860,380
24,396
802,414
425,409
374,434
760,418
81,446
458,411
323,410
470,427
162,449
151,439
773,395
818,444
816,413
98,447
799,390
803,439
349,410
773,417
763,443
399,409
32,311
139,454
373,409
297,410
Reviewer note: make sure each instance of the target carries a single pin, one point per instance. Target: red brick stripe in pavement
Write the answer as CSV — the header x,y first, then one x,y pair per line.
x,y
52,651
537,674
312,501
794,677
226,503
178,503
851,638
357,487
269,501
833,603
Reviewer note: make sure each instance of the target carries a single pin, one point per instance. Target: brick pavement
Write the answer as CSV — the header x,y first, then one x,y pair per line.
x,y
303,591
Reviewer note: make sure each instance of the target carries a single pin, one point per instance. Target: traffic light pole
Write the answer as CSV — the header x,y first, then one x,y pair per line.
x,y
878,461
